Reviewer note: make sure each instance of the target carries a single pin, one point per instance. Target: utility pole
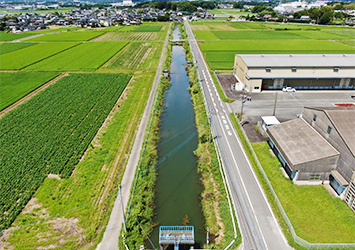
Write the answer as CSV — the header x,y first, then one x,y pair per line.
x,y
124,219
275,104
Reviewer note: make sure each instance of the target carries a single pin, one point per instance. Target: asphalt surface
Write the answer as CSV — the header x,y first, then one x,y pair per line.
x,y
256,221
288,105
112,232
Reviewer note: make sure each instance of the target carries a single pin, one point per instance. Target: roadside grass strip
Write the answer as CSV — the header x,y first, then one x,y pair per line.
x,y
14,86
86,56
68,36
149,28
49,134
5,36
311,209
9,47
19,59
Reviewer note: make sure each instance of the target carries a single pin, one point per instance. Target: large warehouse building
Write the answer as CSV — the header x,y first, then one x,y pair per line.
x,y
319,146
301,71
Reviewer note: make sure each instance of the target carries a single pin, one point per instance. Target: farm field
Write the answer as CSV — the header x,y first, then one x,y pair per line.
x,y
49,166
8,47
149,28
98,169
86,56
21,58
68,36
52,131
14,86
268,38
136,56
120,36
5,37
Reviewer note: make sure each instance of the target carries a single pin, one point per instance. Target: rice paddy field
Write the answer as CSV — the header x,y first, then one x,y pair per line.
x,y
21,58
86,56
220,41
68,36
8,47
16,85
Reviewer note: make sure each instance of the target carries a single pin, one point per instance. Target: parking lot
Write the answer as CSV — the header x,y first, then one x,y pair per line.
x,y
288,105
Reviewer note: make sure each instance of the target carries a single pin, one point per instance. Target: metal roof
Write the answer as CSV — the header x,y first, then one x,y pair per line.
x,y
295,75
300,143
270,120
298,60
343,119
339,178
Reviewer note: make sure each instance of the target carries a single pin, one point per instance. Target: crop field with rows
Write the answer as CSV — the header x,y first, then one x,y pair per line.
x,y
9,47
14,86
68,36
135,56
21,58
49,134
126,36
87,56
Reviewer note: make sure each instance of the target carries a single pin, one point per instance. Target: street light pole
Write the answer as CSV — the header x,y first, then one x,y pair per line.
x,y
124,219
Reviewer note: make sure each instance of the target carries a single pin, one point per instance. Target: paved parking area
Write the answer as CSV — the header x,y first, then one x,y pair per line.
x,y
288,105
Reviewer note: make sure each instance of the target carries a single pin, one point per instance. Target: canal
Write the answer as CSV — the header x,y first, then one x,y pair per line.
x,y
178,185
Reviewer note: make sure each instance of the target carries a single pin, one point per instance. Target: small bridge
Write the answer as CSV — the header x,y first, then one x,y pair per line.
x,y
176,235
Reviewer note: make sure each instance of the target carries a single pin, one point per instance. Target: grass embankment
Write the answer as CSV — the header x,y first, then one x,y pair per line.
x,y
92,187
214,196
139,219
311,209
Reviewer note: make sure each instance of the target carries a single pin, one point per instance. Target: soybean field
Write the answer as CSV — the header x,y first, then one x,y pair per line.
x,y
50,133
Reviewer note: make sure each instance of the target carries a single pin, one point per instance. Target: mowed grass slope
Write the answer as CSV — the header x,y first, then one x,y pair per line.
x,y
14,86
315,215
87,56
68,36
23,57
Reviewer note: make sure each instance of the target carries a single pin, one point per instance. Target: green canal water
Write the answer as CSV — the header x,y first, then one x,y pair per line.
x,y
178,186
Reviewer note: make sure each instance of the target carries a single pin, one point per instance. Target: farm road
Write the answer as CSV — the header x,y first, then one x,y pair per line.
x,y
110,238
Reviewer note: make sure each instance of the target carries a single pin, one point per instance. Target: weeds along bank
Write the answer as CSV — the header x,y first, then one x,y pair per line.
x,y
214,199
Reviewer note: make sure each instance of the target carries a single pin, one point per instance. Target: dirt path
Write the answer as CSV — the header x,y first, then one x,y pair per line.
x,y
27,97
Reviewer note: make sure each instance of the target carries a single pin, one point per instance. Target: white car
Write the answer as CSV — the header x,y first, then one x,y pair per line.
x,y
288,89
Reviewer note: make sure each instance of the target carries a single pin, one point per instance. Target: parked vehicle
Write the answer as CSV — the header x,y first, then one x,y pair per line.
x,y
288,89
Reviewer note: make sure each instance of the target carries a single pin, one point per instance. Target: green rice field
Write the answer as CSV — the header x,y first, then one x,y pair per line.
x,y
9,47
87,56
5,37
257,35
149,28
68,36
14,86
19,59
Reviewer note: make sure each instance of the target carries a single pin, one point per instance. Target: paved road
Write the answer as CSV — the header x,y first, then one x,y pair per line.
x,y
110,238
256,220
